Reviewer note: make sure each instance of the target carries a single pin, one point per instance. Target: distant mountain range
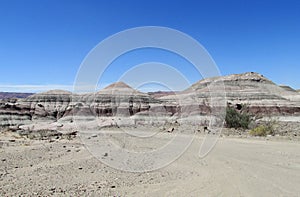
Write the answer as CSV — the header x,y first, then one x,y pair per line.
x,y
5,95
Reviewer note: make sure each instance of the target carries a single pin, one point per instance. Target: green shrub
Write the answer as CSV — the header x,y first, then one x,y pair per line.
x,y
236,119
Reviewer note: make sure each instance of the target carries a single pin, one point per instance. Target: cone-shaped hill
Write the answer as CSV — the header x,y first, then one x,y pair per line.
x,y
120,88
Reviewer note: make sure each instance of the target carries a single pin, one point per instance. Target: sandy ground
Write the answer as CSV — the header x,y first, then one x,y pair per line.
x,y
235,167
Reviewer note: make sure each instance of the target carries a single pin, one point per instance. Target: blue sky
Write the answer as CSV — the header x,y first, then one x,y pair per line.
x,y
43,42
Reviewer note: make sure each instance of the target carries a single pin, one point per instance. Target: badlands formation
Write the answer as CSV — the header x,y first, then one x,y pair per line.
x,y
42,155
60,110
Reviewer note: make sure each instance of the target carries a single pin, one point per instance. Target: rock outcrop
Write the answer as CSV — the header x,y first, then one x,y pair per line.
x,y
261,95
14,112
51,104
117,99
44,106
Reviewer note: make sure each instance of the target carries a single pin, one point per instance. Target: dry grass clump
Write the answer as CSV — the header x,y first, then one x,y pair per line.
x,y
263,130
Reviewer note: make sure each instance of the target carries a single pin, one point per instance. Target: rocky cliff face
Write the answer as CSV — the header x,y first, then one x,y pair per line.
x,y
49,105
260,94
14,112
117,99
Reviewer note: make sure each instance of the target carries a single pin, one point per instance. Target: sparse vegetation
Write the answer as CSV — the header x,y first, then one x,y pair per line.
x,y
261,131
265,129
237,119
43,134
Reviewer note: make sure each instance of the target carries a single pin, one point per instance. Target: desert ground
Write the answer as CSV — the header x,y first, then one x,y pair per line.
x,y
237,166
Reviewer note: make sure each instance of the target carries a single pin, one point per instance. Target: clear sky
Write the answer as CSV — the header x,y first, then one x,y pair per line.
x,y
43,42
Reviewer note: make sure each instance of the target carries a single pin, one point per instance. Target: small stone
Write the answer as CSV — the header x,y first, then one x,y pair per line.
x,y
105,154
171,129
80,168
3,159
52,189
113,186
